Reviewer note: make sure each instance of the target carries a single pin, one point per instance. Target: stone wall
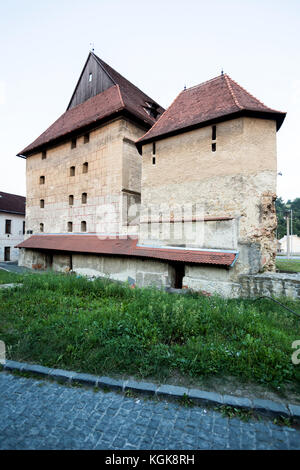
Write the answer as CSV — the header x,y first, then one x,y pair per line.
x,y
238,181
113,165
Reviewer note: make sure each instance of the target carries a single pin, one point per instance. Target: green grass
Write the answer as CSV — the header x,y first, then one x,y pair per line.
x,y
292,266
102,327
7,277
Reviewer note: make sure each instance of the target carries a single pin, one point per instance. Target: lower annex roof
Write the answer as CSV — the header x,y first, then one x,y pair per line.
x,y
126,246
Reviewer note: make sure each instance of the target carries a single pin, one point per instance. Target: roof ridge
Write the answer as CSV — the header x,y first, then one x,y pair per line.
x,y
227,78
250,94
121,97
165,112
203,83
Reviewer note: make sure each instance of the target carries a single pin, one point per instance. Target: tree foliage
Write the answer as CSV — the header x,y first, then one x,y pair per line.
x,y
281,209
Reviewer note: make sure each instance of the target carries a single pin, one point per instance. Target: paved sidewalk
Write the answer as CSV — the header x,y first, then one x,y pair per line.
x,y
37,414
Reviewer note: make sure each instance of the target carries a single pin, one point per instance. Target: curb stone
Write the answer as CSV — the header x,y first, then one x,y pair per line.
x,y
201,397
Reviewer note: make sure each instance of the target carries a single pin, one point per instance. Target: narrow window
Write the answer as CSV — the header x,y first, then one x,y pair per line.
x,y
73,143
70,226
41,227
85,167
83,226
213,147
44,155
153,160
8,226
90,77
84,198
42,203
42,179
214,132
24,227
86,138
72,171
154,148
71,200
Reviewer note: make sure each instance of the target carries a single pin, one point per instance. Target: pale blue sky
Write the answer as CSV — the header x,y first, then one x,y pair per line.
x,y
158,45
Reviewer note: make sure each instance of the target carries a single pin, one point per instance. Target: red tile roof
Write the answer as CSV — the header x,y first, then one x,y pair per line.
x,y
210,101
123,97
125,246
12,203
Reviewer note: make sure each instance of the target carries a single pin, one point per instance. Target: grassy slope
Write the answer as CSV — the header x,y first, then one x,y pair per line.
x,y
97,327
7,278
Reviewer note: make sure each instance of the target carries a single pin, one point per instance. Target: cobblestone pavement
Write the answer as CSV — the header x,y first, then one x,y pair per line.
x,y
37,414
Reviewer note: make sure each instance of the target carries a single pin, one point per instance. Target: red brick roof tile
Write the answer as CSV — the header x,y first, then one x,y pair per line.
x,y
125,246
210,101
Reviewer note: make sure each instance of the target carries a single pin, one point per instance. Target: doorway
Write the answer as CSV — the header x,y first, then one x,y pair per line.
x,y
179,275
7,253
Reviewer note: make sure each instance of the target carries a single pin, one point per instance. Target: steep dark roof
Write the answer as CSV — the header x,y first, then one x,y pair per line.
x,y
122,98
12,203
211,101
126,246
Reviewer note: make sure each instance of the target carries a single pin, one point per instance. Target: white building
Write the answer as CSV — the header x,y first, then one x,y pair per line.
x,y
294,244
12,225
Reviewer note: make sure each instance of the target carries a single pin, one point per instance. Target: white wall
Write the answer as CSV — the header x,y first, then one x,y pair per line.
x,y
12,239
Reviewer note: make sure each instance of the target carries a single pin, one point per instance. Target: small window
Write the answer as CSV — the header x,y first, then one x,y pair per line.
x,y
42,179
214,132
8,226
71,200
73,143
44,155
85,167
90,77
213,147
70,226
24,227
72,171
84,198
41,227
42,203
86,138
154,148
83,226
153,160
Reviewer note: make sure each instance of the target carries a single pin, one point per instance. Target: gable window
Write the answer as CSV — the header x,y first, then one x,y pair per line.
x,y
41,227
44,155
72,171
42,203
73,143
71,200
83,226
70,226
86,138
7,226
84,198
42,179
90,77
85,167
